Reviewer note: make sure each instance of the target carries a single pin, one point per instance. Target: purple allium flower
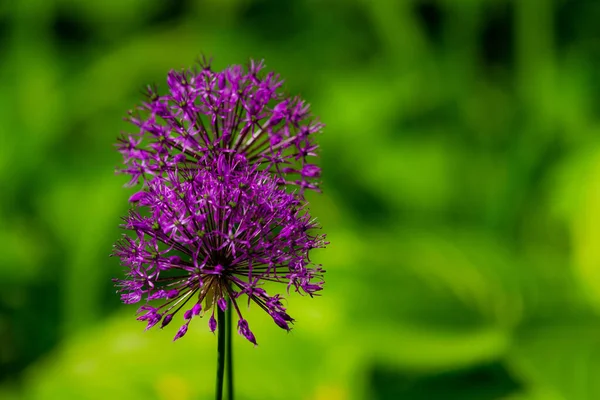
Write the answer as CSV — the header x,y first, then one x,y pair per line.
x,y
240,110
215,232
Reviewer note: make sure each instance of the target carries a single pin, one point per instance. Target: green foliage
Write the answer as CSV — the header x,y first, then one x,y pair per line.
x,y
461,171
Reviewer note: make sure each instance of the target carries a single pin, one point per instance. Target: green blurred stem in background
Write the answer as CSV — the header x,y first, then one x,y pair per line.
x,y
220,352
229,351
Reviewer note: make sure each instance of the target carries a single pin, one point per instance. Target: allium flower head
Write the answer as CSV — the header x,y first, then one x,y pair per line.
x,y
215,232
240,110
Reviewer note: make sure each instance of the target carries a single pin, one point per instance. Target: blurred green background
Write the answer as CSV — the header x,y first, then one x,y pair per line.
x,y
461,177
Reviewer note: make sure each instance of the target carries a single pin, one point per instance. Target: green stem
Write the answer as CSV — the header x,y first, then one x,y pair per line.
x,y
221,327
229,351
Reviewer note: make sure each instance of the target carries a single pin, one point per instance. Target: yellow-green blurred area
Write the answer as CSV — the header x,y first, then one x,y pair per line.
x,y
461,197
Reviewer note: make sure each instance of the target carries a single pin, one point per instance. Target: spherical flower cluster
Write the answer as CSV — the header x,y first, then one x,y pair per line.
x,y
211,232
236,110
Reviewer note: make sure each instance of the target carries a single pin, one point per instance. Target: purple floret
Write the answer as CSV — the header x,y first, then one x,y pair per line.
x,y
216,231
238,110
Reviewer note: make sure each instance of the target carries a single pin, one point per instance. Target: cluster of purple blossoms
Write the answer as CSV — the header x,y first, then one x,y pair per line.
x,y
213,221
235,110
